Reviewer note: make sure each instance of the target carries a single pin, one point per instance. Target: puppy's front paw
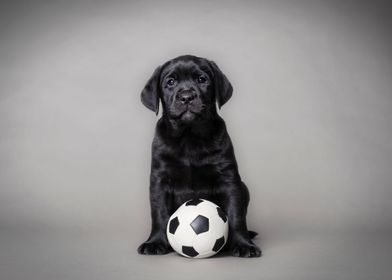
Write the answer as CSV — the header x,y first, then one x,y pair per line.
x,y
154,248
245,250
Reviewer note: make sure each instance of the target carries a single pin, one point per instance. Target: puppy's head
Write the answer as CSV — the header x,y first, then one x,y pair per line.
x,y
188,87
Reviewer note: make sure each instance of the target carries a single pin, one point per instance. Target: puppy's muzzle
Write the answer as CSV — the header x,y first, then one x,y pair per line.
x,y
186,97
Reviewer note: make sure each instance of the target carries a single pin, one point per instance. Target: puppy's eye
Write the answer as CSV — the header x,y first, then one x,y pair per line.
x,y
170,81
202,79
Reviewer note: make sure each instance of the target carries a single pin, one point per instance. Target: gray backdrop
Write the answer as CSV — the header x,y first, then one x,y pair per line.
x,y
310,118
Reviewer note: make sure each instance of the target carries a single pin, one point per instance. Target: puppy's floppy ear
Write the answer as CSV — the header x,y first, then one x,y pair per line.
x,y
151,92
223,88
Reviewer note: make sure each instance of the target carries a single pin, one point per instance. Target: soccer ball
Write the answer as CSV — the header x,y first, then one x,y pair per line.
x,y
198,229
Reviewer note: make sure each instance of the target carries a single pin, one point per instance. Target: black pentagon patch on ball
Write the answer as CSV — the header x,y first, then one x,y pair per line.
x,y
194,202
218,244
221,214
189,251
173,225
200,224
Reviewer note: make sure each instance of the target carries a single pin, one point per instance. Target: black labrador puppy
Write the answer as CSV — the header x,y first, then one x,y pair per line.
x,y
192,154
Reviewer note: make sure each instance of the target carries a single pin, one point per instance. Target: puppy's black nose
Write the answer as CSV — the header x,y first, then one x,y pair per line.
x,y
185,97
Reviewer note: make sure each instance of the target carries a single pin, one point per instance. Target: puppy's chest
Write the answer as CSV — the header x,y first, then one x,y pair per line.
x,y
193,173
193,164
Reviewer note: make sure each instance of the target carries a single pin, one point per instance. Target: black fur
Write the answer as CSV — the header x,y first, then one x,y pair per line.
x,y
192,154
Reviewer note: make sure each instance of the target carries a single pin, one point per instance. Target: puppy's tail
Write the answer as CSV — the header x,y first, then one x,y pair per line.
x,y
252,234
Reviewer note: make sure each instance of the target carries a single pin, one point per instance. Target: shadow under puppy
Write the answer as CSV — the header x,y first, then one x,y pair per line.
x,y
192,154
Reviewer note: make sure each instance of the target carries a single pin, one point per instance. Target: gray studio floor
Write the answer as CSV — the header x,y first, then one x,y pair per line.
x,y
57,254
